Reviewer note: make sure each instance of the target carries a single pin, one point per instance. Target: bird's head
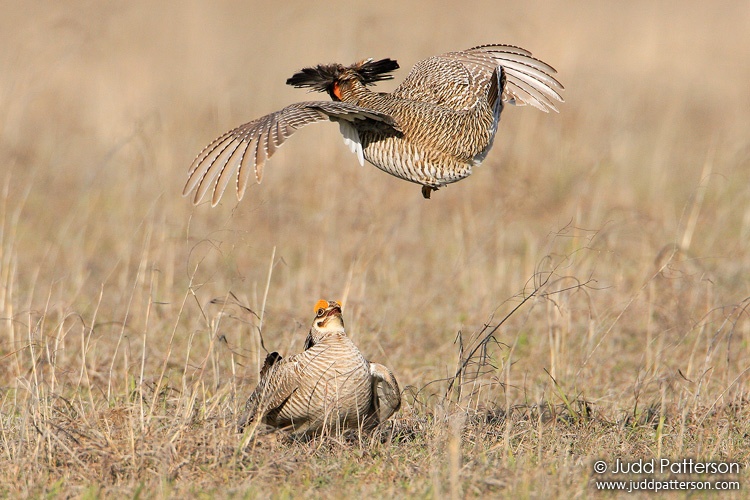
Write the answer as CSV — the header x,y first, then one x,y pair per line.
x,y
328,317
335,78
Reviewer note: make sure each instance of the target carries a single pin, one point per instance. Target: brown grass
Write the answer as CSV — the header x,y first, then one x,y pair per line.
x,y
626,215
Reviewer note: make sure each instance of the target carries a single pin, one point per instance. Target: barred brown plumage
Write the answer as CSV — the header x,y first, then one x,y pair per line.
x,y
431,130
329,387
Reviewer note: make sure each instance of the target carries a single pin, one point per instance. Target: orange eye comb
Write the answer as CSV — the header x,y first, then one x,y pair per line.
x,y
323,304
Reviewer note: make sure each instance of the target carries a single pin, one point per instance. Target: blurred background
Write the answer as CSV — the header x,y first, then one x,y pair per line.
x,y
638,189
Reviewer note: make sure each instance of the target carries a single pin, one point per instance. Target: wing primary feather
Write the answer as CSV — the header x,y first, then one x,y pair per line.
x,y
199,166
261,154
247,165
227,172
543,79
210,168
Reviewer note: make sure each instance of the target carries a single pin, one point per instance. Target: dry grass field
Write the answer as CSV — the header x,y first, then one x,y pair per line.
x,y
583,295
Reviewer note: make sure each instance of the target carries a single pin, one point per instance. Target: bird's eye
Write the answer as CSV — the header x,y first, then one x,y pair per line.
x,y
321,311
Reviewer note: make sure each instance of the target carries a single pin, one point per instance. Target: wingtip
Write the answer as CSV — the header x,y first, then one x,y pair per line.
x,y
215,200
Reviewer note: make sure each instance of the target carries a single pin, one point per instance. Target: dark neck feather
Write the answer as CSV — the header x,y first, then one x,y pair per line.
x,y
324,77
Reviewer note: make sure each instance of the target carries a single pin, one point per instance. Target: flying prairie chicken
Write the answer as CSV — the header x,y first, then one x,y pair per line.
x,y
431,130
329,386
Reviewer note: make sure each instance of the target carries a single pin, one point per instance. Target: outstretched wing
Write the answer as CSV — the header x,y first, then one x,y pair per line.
x,y
528,80
246,148
457,79
385,392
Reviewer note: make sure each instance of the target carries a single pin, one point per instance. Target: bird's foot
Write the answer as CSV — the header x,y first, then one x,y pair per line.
x,y
427,190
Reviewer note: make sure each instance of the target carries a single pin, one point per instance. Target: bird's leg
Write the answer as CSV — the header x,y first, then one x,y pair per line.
x,y
427,190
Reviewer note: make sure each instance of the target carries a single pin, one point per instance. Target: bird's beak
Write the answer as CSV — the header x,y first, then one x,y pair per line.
x,y
335,311
333,315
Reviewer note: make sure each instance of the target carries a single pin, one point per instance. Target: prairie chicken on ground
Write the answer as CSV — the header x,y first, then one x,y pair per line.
x,y
431,130
329,386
